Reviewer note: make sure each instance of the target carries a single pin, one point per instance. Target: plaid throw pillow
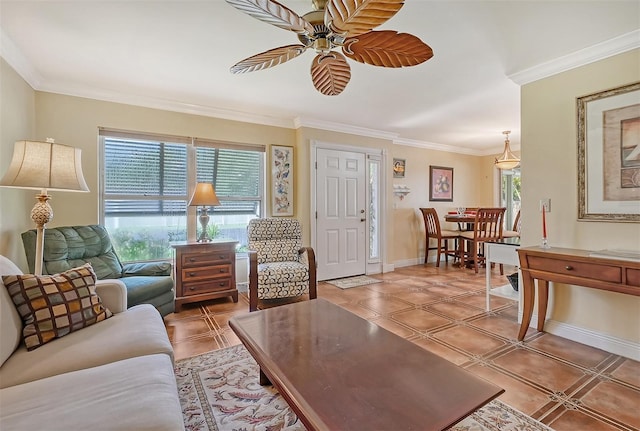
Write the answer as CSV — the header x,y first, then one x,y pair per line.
x,y
52,306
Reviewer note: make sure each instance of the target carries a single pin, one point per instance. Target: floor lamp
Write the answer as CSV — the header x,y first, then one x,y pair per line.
x,y
44,166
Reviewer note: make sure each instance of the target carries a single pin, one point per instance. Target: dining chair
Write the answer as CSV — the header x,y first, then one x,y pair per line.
x,y
515,232
442,236
487,227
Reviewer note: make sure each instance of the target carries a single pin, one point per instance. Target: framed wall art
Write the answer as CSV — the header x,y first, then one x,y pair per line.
x,y
440,184
281,181
609,155
399,166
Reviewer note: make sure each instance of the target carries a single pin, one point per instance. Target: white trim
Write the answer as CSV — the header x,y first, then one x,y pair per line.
x,y
599,340
343,128
12,55
408,262
442,147
600,51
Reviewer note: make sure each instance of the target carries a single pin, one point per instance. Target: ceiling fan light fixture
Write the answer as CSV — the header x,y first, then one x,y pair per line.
x,y
332,24
507,159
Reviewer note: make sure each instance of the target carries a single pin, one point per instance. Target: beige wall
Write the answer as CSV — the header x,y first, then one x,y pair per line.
x,y
17,122
549,170
75,121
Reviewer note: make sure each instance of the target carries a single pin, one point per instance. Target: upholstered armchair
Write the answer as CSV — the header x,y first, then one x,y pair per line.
x,y
279,267
71,246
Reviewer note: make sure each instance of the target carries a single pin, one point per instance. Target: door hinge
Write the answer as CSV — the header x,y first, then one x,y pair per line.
x,y
316,215
316,163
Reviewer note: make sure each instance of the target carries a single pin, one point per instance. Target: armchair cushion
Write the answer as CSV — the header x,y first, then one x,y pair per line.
x,y
282,280
52,306
146,269
72,246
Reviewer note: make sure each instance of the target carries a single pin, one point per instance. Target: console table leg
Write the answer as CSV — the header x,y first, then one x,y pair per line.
x,y
527,304
543,299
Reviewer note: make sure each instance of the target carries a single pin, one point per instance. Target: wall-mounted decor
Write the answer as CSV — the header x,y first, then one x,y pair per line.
x,y
399,167
440,184
281,181
609,155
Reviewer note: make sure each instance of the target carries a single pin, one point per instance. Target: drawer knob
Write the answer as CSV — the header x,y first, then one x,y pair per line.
x,y
223,270
192,259
221,283
568,268
222,256
192,288
192,274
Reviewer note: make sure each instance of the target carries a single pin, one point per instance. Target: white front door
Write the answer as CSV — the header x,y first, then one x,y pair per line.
x,y
341,214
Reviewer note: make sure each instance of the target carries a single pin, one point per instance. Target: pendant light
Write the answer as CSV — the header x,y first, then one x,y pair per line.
x,y
507,160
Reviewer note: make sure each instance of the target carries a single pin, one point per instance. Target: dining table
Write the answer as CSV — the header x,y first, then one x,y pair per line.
x,y
465,221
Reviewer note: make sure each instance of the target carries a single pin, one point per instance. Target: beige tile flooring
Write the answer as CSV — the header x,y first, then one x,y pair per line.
x,y
566,385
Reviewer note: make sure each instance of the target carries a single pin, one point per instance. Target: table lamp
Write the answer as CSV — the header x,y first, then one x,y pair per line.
x,y
44,166
204,196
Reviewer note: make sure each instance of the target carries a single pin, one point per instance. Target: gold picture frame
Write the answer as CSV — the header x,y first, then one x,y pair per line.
x,y
609,155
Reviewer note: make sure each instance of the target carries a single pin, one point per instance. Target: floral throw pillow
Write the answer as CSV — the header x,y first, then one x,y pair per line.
x,y
52,306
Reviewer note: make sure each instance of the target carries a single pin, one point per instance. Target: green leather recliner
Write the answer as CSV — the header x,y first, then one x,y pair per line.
x,y
71,246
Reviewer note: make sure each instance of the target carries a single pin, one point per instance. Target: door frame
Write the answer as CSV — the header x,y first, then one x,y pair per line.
x,y
375,266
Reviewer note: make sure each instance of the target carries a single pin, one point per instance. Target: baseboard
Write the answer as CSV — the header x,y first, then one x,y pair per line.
x,y
408,262
606,342
388,267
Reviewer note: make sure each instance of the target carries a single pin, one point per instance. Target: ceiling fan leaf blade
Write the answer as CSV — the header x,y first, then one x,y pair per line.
x,y
330,73
272,12
268,59
387,48
355,17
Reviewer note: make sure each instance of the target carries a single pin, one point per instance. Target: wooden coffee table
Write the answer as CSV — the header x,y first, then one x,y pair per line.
x,y
338,371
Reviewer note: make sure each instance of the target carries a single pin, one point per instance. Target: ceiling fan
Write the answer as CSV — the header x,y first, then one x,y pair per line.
x,y
335,23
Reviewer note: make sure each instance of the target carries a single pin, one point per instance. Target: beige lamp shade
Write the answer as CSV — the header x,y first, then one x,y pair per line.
x,y
204,195
45,165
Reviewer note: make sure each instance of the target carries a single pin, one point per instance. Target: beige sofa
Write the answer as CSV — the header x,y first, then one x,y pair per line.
x,y
113,375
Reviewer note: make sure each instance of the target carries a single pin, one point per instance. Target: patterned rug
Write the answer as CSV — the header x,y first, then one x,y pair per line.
x,y
349,282
219,391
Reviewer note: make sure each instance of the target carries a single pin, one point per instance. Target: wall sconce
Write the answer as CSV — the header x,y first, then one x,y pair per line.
x,y
401,190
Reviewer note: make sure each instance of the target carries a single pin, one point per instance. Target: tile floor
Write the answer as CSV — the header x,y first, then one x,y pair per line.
x,y
566,385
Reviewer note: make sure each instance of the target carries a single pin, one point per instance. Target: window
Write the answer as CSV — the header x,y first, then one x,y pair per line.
x,y
145,190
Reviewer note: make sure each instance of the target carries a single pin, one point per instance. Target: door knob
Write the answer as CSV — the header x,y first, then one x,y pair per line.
x,y
363,219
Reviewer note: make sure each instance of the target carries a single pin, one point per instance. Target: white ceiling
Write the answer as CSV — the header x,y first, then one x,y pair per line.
x,y
176,55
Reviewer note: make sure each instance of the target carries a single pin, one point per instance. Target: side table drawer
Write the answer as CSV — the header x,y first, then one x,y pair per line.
x,y
206,272
209,286
593,271
203,259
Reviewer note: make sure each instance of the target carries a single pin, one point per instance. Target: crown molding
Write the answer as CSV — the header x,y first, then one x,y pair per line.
x,y
600,51
13,56
434,146
343,128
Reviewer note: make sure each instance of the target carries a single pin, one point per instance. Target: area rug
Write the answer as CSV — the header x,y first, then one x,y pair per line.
x,y
349,282
219,391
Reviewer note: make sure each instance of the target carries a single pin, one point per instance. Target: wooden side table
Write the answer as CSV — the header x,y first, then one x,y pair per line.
x,y
205,271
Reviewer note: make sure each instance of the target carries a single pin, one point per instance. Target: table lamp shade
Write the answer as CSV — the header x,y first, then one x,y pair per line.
x,y
45,165
204,195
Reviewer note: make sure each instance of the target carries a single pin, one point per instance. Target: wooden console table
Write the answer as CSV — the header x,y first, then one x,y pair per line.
x,y
571,266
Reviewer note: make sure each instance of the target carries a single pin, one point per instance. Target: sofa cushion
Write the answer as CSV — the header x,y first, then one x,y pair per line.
x,y
138,331
133,394
52,306
10,321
